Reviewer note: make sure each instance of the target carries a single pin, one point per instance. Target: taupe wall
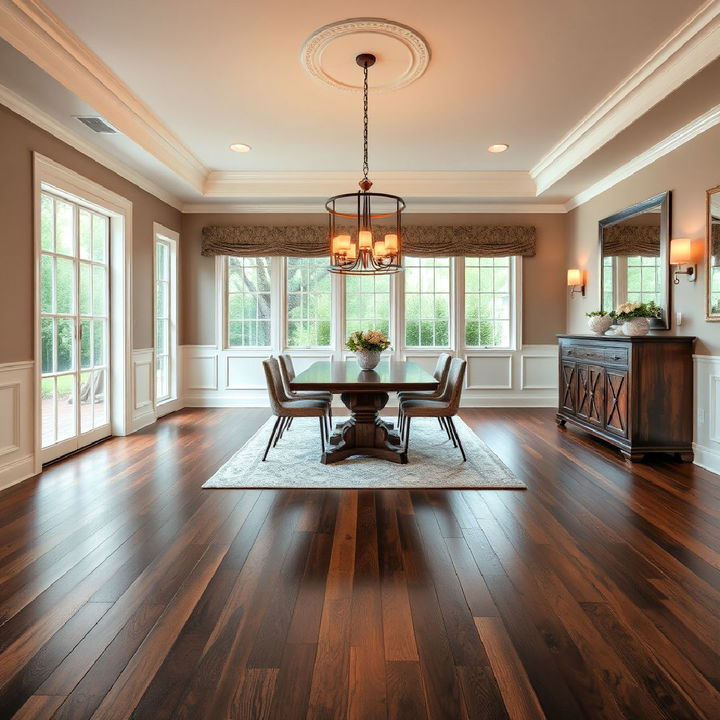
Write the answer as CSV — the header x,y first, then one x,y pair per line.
x,y
687,172
543,275
18,139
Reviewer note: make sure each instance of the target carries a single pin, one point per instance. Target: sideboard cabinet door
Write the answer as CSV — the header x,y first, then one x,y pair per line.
x,y
616,402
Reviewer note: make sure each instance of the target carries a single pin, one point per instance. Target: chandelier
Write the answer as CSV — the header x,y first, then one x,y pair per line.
x,y
360,247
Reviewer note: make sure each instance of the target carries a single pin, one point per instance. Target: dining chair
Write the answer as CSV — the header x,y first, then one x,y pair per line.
x,y
444,408
287,371
286,408
442,368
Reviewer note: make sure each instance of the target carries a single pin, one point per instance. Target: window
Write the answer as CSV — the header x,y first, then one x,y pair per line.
x,y
308,302
608,296
488,295
248,302
643,279
427,302
367,303
292,303
165,314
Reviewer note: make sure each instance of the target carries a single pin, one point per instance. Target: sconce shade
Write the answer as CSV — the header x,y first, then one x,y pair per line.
x,y
681,251
574,277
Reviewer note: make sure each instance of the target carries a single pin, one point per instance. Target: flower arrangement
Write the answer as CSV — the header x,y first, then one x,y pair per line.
x,y
629,311
597,313
373,340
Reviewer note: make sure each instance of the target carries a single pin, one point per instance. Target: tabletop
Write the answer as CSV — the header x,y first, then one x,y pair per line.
x,y
346,376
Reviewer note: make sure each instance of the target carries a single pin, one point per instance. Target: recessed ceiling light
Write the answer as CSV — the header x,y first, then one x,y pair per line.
x,y
498,147
240,147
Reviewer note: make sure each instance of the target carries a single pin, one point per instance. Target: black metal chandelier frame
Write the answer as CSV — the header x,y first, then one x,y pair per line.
x,y
355,250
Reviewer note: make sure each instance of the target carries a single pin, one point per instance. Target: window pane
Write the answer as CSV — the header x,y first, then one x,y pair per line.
x,y
488,304
65,398
369,298
99,343
248,301
85,229
427,302
65,337
47,223
85,344
64,230
98,290
47,333
308,302
64,285
47,291
99,238
85,289
47,404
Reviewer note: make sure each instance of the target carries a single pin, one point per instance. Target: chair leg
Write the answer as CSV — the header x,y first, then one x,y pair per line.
x,y
330,418
445,425
407,433
398,418
272,434
289,423
322,433
457,437
281,430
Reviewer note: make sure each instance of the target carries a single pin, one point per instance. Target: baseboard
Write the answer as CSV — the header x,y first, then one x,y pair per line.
x,y
144,419
707,458
17,471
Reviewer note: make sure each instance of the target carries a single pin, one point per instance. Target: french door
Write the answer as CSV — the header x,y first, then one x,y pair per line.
x,y
74,325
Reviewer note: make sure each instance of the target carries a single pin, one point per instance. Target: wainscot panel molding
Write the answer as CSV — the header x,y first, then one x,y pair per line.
x,y
143,388
234,378
707,411
17,438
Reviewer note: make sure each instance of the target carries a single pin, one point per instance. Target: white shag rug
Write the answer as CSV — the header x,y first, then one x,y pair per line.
x,y
433,462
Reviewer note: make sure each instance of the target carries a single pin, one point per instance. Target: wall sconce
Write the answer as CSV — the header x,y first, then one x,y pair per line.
x,y
681,254
576,281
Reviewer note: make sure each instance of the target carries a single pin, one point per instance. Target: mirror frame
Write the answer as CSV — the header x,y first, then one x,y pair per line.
x,y
663,200
710,316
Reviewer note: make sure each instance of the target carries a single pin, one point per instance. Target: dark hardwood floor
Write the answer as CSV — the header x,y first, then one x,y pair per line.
x,y
127,591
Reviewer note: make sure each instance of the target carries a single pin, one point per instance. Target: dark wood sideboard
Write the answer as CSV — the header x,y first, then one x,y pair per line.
x,y
633,392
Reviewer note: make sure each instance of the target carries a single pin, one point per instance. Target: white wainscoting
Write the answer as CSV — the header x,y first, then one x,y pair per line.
x,y
17,437
233,378
143,389
707,411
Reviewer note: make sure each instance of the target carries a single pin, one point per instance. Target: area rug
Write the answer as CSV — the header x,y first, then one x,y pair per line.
x,y
433,462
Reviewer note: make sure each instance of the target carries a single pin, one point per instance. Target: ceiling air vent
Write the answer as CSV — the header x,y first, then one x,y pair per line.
x,y
96,123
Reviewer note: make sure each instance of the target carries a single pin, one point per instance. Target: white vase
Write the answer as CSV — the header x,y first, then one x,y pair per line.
x,y
367,359
636,326
600,324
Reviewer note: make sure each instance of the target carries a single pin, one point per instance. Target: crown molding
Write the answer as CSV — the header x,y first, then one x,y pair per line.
x,y
409,184
687,51
46,122
37,33
317,207
686,133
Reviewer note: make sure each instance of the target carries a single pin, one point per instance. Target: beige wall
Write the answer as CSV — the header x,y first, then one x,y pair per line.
x,y
543,275
687,172
18,139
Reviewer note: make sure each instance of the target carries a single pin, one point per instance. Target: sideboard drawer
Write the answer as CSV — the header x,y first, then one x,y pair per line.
x,y
595,354
584,352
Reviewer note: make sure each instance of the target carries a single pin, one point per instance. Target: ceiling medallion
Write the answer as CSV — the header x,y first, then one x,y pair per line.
x,y
404,53
359,249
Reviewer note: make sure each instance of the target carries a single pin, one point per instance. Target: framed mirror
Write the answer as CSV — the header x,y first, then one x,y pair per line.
x,y
712,256
635,257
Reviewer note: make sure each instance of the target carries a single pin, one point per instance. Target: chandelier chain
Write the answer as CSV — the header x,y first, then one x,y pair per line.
x,y
365,122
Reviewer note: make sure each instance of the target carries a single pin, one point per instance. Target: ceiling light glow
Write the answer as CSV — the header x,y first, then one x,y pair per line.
x,y
498,148
240,147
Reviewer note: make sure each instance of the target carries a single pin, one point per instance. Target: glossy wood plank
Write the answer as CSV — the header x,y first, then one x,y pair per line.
x,y
128,591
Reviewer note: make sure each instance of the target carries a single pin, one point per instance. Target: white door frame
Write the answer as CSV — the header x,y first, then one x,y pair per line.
x,y
67,183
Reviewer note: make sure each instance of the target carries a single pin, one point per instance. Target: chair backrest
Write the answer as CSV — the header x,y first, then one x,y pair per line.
x,y
442,368
455,382
287,367
274,384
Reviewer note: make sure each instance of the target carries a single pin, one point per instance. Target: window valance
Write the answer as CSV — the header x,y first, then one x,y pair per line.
x,y
418,240
631,241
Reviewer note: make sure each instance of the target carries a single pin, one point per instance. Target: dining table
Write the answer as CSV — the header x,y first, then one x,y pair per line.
x,y
365,393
